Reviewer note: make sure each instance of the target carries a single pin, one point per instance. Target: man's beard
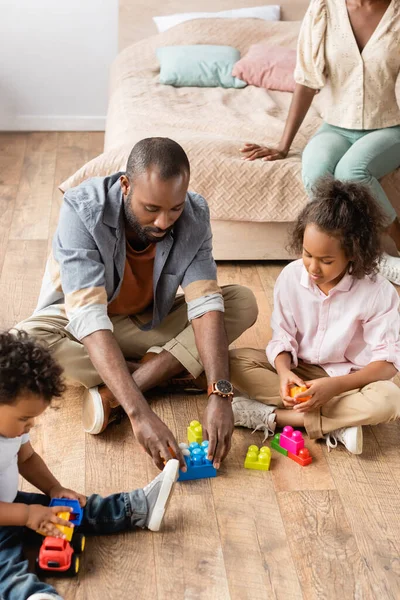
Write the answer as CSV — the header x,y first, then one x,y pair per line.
x,y
144,234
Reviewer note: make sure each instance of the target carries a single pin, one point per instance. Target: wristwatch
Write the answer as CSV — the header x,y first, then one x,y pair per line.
x,y
221,388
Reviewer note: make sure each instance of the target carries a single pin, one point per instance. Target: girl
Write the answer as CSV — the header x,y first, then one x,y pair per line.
x,y
335,328
350,47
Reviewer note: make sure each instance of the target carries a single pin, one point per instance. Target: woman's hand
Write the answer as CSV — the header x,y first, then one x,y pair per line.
x,y
254,151
286,380
321,391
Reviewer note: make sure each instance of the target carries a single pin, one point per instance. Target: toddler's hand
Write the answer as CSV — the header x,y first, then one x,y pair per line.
x,y
61,492
286,380
321,391
44,519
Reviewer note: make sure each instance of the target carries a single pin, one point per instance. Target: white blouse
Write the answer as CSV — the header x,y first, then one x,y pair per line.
x,y
360,88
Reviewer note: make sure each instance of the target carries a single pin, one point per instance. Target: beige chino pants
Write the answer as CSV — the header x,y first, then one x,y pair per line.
x,y
175,334
375,403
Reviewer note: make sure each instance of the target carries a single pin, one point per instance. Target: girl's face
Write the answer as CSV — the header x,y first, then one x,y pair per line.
x,y
323,257
19,417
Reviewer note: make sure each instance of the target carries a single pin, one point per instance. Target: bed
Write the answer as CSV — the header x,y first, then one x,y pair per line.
x,y
251,203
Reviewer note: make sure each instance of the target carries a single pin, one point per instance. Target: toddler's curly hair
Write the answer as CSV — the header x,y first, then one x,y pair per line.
x,y
345,210
26,365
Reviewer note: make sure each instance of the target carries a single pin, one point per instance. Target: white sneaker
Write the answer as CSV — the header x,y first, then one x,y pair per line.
x,y
351,437
254,415
44,596
158,493
389,267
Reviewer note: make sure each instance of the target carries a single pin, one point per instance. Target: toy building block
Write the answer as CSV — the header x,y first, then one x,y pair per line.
x,y
291,440
195,432
77,512
258,459
198,466
299,389
303,458
275,444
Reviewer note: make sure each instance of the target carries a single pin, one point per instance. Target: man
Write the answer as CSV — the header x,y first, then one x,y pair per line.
x,y
123,246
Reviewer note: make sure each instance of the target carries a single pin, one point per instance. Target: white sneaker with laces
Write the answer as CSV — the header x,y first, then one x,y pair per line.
x,y
350,437
389,267
158,493
254,415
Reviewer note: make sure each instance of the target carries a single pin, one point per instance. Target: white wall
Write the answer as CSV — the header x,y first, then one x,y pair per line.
x,y
55,57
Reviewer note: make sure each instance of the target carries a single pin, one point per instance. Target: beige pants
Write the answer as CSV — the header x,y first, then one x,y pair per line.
x,y
174,334
375,403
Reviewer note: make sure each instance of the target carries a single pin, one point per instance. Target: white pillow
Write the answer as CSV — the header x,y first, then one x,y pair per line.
x,y
267,13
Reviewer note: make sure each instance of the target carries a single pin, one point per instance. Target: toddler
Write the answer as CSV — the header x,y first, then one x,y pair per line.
x,y
29,379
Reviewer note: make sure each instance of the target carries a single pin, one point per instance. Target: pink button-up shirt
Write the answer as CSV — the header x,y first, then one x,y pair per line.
x,y
355,324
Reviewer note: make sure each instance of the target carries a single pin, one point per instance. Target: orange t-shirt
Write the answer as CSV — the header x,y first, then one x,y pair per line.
x,y
136,292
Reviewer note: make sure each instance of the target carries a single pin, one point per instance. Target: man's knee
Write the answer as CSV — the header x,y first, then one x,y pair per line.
x,y
38,331
384,400
241,303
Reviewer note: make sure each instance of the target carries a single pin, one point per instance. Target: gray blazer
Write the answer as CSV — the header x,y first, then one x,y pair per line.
x,y
86,267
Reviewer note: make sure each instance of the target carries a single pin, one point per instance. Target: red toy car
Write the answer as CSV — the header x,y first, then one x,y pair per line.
x,y
57,556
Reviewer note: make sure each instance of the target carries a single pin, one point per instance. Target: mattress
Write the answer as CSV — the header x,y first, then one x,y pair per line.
x,y
212,124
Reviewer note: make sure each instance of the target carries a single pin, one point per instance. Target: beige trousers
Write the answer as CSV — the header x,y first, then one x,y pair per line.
x,y
174,334
375,403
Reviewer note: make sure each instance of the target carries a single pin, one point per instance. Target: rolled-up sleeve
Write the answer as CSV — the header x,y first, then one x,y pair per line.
x,y
310,65
381,329
82,275
200,285
283,326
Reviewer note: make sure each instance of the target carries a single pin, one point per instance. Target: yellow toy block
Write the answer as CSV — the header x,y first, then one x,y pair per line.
x,y
258,459
67,531
195,432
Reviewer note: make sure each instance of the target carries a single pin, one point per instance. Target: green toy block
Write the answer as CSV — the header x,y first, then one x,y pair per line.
x,y
195,432
275,444
258,459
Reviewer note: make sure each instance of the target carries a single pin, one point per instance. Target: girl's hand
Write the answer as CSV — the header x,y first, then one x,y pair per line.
x,y
254,151
321,391
44,519
58,491
286,380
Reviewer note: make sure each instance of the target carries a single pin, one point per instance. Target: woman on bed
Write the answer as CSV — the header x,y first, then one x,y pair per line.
x,y
353,46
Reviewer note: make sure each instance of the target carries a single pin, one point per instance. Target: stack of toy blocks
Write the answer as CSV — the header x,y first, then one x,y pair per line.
x,y
258,459
291,443
198,465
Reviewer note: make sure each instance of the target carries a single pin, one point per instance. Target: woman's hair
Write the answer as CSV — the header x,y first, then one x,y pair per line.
x,y
348,212
27,366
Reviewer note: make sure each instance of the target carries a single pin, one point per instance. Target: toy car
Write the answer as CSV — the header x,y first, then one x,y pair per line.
x,y
58,555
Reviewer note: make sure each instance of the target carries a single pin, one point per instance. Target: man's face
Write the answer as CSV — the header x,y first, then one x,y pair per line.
x,y
152,205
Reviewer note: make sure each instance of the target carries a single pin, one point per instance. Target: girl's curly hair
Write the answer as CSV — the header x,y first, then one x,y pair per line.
x,y
347,211
26,365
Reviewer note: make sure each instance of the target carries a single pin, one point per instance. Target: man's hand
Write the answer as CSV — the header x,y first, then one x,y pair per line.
x,y
254,151
286,380
218,427
58,491
44,519
157,440
321,391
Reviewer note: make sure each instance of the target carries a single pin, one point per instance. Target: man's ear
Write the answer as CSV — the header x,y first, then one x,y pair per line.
x,y
125,185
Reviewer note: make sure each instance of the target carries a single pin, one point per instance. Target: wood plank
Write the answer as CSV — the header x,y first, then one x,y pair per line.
x,y
33,203
21,279
370,497
12,152
323,547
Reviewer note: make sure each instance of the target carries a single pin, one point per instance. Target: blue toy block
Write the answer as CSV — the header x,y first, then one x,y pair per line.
x,y
77,512
198,466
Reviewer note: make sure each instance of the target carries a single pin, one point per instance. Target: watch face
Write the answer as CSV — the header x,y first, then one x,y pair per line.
x,y
224,386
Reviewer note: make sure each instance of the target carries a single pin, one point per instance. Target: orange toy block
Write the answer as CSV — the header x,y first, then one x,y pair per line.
x,y
297,389
303,458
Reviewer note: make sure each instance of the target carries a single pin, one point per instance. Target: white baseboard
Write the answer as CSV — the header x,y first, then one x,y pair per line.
x,y
56,123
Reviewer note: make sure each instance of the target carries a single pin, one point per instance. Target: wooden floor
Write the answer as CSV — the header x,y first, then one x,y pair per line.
x,y
331,530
